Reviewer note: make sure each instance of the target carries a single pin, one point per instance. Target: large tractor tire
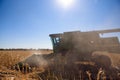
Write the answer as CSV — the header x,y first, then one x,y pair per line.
x,y
102,61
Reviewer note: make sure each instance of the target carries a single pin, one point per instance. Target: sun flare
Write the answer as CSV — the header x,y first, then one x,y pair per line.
x,y
65,3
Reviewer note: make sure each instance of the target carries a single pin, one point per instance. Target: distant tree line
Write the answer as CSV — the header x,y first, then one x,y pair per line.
x,y
22,49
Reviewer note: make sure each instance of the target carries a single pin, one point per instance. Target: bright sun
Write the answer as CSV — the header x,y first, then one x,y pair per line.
x,y
65,3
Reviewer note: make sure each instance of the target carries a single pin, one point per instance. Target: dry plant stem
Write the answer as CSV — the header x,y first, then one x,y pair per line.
x,y
89,75
101,75
80,73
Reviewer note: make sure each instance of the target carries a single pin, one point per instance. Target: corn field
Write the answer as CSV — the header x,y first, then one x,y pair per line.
x,y
57,69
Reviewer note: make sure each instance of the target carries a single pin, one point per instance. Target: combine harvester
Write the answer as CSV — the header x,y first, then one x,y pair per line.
x,y
82,45
79,53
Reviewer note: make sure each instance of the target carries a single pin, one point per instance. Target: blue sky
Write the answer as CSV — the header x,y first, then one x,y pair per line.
x,y
28,23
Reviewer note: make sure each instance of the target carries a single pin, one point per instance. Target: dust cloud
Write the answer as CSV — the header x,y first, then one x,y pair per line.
x,y
36,60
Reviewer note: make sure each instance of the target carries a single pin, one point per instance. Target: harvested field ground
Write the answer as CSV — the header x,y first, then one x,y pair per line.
x,y
58,68
8,58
